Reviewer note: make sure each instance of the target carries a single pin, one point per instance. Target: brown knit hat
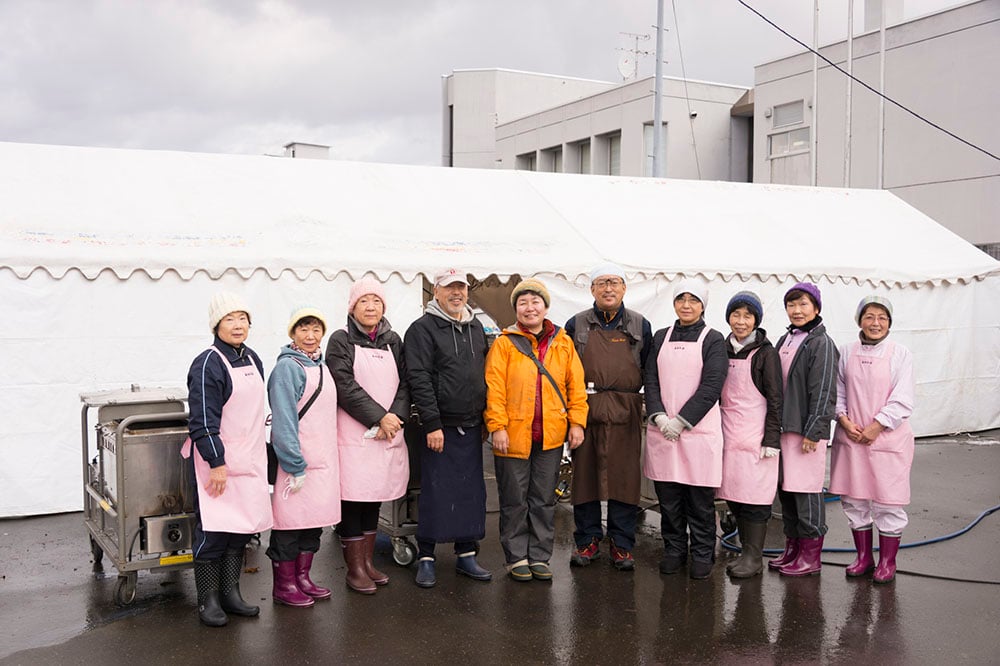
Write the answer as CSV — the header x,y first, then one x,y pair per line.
x,y
533,286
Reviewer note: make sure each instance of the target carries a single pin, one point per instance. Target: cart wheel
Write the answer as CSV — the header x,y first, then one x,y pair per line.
x,y
403,552
98,553
125,589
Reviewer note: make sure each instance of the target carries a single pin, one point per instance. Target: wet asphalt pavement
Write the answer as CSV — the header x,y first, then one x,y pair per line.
x,y
54,609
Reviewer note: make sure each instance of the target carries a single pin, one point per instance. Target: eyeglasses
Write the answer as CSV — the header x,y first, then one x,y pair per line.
x,y
614,283
869,318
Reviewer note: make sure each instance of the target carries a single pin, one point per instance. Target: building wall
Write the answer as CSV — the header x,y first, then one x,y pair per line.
x,y
942,66
475,101
625,111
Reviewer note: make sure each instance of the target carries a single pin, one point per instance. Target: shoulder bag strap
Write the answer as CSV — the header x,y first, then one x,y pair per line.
x,y
523,345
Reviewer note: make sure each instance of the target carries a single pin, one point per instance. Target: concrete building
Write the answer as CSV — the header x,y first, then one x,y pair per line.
x,y
475,101
309,151
611,133
520,120
943,66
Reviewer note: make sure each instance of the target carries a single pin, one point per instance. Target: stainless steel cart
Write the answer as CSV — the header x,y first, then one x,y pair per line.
x,y
137,500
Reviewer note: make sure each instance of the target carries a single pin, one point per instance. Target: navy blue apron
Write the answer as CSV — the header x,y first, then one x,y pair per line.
x,y
452,489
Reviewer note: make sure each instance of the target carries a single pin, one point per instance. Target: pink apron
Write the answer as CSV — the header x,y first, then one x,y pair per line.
x,y
696,458
880,471
317,503
746,477
243,508
801,472
372,470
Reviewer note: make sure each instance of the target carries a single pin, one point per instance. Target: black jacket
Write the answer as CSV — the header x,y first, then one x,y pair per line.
x,y
810,398
713,372
765,371
209,388
340,359
445,367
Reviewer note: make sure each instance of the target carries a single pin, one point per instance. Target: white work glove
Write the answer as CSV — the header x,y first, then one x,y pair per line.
x,y
660,421
769,452
673,429
295,483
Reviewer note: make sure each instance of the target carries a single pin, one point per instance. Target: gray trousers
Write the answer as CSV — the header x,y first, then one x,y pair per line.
x,y
527,490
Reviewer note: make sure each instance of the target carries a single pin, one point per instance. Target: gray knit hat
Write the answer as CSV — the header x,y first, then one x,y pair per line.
x,y
872,299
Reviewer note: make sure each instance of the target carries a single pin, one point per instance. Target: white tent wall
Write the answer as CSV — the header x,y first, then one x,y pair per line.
x,y
951,329
60,338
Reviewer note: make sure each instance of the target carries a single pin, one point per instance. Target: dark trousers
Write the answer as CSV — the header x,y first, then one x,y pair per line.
x,y
752,513
356,518
287,544
684,509
621,523
210,545
527,490
803,514
426,548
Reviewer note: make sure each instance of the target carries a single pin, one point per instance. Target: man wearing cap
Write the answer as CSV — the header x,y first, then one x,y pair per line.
x,y
445,365
612,342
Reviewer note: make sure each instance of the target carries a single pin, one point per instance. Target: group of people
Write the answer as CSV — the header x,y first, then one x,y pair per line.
x,y
730,416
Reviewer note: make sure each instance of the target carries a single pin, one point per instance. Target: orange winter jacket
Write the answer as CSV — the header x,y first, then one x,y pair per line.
x,y
510,391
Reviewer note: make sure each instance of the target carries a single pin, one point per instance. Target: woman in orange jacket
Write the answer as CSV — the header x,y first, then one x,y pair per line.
x,y
530,414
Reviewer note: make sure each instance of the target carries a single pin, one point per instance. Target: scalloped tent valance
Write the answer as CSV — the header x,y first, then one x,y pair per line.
x,y
95,209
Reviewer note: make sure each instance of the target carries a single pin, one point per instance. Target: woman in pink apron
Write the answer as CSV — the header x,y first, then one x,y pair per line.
x,y
228,459
809,368
873,447
304,435
751,430
684,375
366,359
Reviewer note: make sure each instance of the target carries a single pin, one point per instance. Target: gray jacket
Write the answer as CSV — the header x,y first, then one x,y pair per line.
x,y
810,400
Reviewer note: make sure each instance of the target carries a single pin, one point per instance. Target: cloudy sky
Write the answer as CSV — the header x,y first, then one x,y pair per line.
x,y
363,76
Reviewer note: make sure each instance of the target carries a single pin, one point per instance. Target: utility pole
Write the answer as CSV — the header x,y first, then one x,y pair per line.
x,y
658,96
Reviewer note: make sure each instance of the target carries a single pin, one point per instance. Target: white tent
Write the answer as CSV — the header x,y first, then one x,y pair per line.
x,y
109,258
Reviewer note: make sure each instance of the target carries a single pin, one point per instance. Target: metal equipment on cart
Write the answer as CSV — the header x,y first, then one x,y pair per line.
x,y
137,500
398,519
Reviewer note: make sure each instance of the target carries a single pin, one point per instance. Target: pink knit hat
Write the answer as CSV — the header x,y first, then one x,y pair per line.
x,y
366,285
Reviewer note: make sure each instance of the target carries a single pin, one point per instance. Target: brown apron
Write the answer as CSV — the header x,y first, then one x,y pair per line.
x,y
607,464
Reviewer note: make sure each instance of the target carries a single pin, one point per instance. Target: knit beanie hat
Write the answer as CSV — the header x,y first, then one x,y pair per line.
x,y
695,287
607,269
873,300
533,286
222,304
300,313
363,287
752,303
811,289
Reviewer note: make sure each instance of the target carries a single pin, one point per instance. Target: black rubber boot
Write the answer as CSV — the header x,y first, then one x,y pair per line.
x,y
206,580
229,594
743,541
751,560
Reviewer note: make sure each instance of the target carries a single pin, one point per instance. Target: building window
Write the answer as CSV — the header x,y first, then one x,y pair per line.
x,y
551,160
526,162
647,148
788,143
585,157
615,154
787,114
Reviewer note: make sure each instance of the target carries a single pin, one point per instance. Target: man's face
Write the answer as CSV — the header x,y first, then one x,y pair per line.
x,y
608,292
452,298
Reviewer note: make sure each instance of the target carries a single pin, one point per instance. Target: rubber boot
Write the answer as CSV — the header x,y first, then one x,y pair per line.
x,y
807,563
286,591
751,560
377,576
864,563
791,552
303,564
888,546
354,555
229,595
206,581
743,541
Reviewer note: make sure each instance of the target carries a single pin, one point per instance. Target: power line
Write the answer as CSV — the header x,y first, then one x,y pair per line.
x,y
687,98
859,81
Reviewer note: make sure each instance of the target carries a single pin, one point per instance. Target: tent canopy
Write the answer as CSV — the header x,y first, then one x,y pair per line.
x,y
95,209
